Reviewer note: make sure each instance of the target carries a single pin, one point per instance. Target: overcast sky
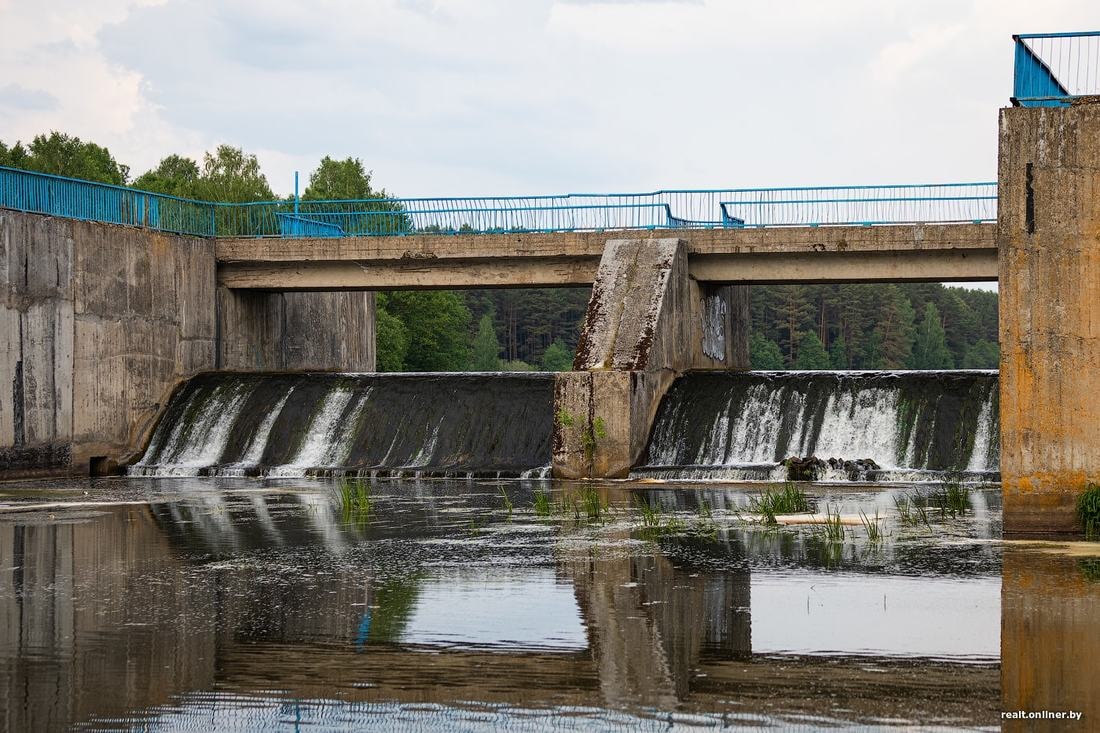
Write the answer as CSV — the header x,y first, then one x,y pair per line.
x,y
502,97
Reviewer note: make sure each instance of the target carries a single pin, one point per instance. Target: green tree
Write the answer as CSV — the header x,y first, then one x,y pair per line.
x,y
764,353
485,354
340,180
930,349
895,327
229,175
982,355
838,353
438,324
873,357
175,175
811,352
66,155
391,338
557,357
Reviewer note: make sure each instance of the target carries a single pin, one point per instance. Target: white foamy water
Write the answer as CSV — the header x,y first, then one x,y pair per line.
x,y
979,455
320,435
204,442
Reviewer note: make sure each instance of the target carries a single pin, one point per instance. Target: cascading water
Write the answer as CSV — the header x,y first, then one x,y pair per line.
x,y
317,424
742,426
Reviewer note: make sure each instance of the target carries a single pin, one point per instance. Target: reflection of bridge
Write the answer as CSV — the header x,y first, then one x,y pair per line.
x,y
659,633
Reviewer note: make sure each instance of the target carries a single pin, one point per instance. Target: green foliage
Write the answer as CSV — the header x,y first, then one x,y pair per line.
x,y
557,357
982,355
930,349
485,352
229,175
437,323
529,322
838,354
516,365
340,180
868,326
811,353
1088,510
566,419
66,155
173,176
391,338
508,505
763,353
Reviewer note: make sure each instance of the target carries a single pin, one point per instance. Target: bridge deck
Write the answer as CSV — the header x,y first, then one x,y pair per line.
x,y
892,253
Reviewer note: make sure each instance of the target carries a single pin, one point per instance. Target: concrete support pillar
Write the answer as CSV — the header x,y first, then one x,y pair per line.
x,y
647,322
323,331
1048,238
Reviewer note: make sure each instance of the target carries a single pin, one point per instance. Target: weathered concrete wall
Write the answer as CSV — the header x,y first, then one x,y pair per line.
x,y
315,331
647,322
1049,242
99,323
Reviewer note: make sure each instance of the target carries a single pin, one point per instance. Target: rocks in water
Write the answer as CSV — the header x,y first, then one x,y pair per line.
x,y
812,468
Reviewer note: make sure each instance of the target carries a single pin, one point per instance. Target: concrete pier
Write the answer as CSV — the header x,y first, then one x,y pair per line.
x,y
647,322
1048,236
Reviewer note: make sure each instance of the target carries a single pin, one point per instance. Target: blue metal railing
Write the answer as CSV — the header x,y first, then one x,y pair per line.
x,y
940,203
673,209
1053,68
74,199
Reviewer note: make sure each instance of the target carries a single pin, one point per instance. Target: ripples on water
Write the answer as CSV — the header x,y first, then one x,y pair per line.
x,y
200,604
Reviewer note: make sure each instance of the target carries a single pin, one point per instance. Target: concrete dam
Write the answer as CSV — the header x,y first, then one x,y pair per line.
x,y
724,426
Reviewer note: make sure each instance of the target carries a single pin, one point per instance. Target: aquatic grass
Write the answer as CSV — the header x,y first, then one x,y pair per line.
x,y
594,505
953,498
906,513
650,512
1088,510
789,500
508,506
655,522
541,504
873,525
832,527
355,496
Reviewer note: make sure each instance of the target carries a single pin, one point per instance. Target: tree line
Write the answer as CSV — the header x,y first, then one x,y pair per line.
x,y
866,326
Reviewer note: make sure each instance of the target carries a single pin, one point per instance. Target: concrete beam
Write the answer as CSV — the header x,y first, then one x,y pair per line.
x,y
780,254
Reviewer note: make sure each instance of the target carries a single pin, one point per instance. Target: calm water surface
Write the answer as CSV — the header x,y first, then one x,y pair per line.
x,y
240,605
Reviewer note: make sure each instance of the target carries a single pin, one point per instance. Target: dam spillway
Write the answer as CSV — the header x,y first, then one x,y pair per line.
x,y
897,425
885,426
322,424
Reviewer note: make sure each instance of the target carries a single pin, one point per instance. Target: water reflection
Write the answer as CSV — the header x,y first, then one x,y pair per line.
x,y
250,609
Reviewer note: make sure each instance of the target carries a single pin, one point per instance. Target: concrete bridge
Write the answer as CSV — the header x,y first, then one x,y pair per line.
x,y
100,322
888,253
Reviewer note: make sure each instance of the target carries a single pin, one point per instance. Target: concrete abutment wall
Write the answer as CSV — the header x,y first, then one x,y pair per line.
x,y
1048,237
100,323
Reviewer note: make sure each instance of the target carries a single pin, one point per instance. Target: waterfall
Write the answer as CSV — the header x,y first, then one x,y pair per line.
x,y
724,425
318,424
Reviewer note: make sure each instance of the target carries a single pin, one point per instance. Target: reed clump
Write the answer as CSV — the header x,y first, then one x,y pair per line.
x,y
1088,510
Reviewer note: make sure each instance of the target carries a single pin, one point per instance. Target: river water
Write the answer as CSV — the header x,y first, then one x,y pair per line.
x,y
310,604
